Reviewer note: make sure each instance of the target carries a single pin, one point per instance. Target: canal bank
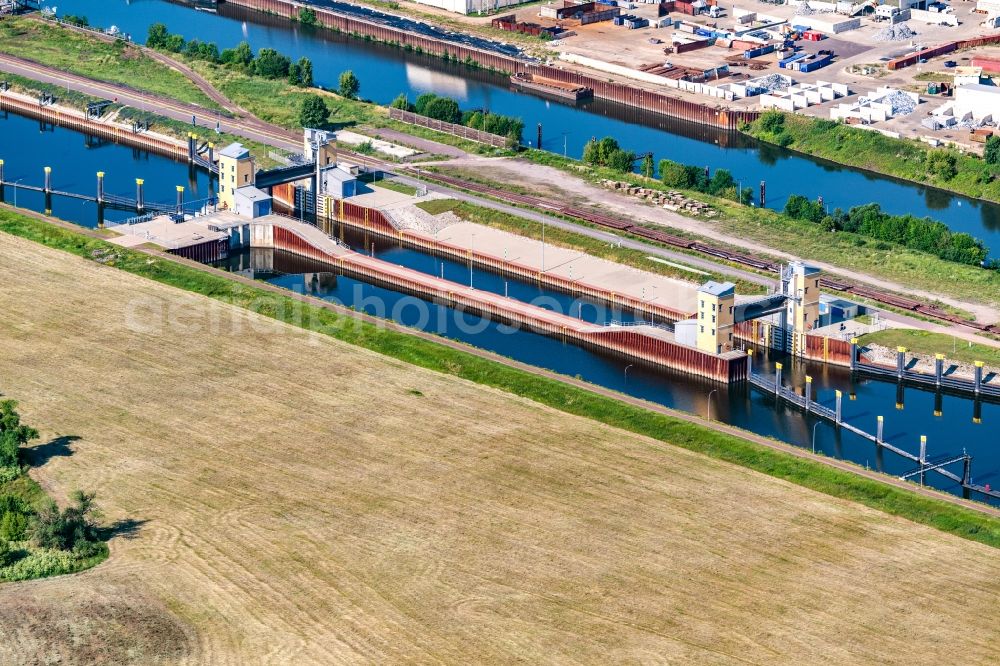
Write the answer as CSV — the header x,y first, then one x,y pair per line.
x,y
386,71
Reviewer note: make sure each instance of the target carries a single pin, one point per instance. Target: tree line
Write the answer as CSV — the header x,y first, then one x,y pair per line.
x,y
447,110
268,63
918,233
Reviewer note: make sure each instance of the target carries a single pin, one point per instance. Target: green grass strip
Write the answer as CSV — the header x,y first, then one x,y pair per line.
x,y
814,475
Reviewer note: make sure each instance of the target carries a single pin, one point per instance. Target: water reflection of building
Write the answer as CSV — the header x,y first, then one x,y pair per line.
x,y
428,80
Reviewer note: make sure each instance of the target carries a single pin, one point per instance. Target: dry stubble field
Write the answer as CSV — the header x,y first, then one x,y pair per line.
x,y
303,501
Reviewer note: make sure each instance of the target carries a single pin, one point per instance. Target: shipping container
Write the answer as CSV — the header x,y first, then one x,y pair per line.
x,y
784,64
818,63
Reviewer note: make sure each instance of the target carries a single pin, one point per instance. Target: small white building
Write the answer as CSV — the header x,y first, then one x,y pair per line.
x,y
339,183
966,75
976,102
251,202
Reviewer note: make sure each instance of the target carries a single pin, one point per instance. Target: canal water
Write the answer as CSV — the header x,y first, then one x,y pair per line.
x,y
27,146
386,71
461,272
908,413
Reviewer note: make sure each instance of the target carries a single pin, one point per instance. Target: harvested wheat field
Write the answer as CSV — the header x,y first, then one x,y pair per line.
x,y
301,501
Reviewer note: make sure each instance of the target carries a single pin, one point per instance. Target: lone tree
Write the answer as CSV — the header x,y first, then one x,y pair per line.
x,y
647,167
13,434
74,528
314,112
349,85
305,72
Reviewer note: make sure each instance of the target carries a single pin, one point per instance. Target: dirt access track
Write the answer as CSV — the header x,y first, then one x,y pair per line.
x,y
281,519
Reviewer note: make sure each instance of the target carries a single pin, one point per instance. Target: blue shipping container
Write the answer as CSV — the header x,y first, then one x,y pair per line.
x,y
816,64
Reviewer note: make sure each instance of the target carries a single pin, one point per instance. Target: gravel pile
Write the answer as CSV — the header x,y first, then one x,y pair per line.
x,y
417,219
806,10
900,104
771,82
894,33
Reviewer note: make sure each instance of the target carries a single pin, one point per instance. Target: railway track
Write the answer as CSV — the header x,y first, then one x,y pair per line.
x,y
901,302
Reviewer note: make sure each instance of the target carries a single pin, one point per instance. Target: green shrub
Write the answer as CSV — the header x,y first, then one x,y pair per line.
x,y
13,434
307,16
942,164
991,152
314,112
402,102
13,526
64,530
349,85
271,65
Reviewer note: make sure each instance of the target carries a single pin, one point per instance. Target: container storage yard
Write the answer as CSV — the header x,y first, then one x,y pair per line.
x,y
732,52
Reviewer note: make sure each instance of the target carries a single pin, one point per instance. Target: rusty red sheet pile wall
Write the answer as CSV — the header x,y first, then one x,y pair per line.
x,y
817,347
941,49
209,251
373,220
629,343
715,116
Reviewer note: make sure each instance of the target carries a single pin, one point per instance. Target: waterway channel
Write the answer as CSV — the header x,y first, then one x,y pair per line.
x,y
386,71
908,413
29,146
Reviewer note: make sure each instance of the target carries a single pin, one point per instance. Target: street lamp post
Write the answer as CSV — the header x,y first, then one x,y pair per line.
x,y
626,371
814,435
15,190
709,415
543,245
472,249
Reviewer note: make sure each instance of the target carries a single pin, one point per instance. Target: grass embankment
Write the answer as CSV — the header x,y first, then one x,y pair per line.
x,y
926,342
814,475
115,62
854,254
389,184
278,102
180,130
64,96
574,241
901,158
